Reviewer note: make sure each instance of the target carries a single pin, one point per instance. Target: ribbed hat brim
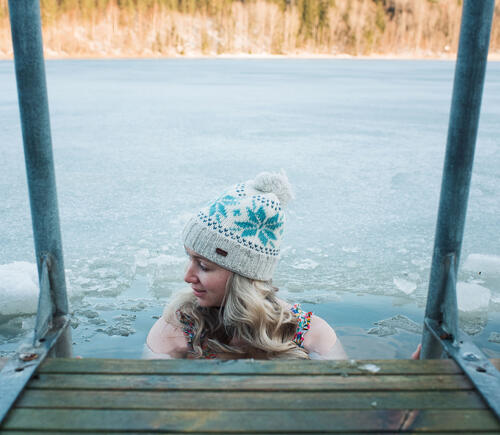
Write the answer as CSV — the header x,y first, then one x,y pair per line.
x,y
240,259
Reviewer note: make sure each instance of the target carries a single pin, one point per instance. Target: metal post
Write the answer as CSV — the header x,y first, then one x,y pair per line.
x,y
33,104
441,333
52,334
462,132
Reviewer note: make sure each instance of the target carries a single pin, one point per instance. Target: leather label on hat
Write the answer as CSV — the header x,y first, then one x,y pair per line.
x,y
221,252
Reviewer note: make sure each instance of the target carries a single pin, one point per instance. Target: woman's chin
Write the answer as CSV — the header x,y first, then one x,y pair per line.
x,y
202,302
206,304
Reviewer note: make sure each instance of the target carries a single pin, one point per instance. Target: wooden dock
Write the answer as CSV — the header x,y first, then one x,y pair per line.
x,y
245,396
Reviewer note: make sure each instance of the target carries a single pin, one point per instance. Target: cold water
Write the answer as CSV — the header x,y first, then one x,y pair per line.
x,y
141,144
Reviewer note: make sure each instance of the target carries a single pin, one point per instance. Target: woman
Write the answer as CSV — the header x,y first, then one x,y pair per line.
x,y
232,310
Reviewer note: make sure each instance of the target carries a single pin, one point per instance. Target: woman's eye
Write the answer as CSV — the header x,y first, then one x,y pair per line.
x,y
203,267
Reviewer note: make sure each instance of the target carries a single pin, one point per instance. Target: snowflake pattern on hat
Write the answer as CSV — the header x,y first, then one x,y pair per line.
x,y
218,208
258,224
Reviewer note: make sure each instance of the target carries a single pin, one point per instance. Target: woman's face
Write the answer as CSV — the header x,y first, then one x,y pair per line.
x,y
207,279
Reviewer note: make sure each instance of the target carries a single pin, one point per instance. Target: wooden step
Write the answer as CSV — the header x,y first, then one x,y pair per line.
x,y
249,397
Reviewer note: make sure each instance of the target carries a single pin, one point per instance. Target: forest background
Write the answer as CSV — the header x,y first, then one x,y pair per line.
x,y
169,28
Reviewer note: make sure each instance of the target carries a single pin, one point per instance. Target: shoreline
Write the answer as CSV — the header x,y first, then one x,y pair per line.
x,y
492,57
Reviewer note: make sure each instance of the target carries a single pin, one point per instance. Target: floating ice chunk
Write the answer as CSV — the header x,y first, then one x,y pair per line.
x,y
473,325
390,326
122,325
97,321
137,306
108,306
90,314
126,318
483,264
494,337
18,288
123,330
372,368
306,264
407,287
382,331
472,297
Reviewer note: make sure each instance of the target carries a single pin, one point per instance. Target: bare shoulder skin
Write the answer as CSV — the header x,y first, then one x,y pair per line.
x,y
322,340
166,338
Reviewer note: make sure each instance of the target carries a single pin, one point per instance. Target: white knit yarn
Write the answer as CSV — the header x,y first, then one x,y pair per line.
x,y
277,183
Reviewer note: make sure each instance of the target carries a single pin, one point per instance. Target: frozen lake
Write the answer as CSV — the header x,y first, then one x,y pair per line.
x,y
140,144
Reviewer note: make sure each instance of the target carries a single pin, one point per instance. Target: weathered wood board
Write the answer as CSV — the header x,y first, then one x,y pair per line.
x,y
249,397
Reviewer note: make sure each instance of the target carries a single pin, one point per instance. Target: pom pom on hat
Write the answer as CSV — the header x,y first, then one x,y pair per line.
x,y
277,183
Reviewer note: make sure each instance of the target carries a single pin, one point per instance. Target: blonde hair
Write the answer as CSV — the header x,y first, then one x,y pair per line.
x,y
251,314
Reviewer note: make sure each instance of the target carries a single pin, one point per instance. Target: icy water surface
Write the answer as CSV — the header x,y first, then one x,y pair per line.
x,y
140,144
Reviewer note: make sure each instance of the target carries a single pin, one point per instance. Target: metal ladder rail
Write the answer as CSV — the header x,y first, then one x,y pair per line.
x,y
51,334
441,332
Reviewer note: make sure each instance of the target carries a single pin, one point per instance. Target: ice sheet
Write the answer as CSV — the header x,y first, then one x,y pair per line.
x,y
392,325
366,181
407,287
482,264
18,288
472,297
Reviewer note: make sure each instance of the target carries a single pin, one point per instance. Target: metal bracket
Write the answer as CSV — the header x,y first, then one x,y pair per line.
x,y
19,369
46,306
449,308
48,329
483,374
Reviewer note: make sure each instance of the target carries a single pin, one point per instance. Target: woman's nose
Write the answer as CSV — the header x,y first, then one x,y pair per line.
x,y
190,276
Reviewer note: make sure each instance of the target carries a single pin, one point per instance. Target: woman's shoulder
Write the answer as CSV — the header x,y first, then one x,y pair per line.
x,y
320,335
168,337
321,339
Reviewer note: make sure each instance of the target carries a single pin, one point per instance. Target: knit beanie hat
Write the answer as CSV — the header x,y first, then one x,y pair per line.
x,y
241,230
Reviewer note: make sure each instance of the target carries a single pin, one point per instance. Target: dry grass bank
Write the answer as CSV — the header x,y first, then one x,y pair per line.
x,y
150,28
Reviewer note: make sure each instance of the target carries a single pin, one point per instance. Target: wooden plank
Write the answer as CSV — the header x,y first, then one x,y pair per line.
x,y
290,367
180,400
256,421
250,383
